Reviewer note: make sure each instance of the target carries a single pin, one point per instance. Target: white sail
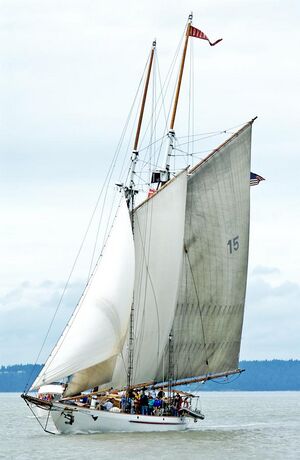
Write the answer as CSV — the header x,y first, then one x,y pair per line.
x,y
209,316
87,350
158,239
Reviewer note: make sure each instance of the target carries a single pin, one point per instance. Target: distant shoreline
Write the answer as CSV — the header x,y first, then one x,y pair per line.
x,y
267,375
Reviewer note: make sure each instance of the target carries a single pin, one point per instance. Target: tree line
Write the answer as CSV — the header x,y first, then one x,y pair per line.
x,y
274,375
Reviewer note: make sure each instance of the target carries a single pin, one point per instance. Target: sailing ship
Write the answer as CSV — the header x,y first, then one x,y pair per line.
x,y
164,306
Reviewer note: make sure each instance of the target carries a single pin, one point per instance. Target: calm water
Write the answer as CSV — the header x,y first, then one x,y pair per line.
x,y
238,425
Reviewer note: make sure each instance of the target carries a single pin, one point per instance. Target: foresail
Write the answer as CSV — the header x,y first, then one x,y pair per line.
x,y
158,239
209,316
87,350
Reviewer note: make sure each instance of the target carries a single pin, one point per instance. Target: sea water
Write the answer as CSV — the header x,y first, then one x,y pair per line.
x,y
238,425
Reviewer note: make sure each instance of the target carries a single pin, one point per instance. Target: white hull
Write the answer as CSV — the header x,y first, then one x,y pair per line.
x,y
68,419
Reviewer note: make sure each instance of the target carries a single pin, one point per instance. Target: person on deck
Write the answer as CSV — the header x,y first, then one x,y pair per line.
x,y
108,405
157,406
123,403
186,402
144,403
137,404
161,394
177,402
150,405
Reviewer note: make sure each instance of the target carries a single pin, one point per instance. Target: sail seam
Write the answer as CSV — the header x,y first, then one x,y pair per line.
x,y
198,305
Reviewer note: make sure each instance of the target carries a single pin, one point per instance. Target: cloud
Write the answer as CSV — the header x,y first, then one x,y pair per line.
x,y
272,319
67,81
25,315
260,270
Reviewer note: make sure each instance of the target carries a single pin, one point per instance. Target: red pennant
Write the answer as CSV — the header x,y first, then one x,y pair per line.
x,y
198,34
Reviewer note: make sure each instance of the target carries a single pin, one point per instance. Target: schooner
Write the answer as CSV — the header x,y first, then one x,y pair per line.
x,y
166,301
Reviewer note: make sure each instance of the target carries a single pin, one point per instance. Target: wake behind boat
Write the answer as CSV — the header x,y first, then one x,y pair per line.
x,y
166,300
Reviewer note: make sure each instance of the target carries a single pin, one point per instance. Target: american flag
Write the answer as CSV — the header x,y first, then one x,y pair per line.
x,y
255,179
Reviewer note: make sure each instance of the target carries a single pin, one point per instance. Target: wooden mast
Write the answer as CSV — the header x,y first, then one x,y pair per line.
x,y
138,130
187,34
163,175
130,194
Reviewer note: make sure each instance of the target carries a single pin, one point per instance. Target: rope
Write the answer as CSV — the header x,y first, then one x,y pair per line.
x,y
198,305
104,187
37,418
227,380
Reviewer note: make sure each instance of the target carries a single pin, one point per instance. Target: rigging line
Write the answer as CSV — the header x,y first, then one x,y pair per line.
x,y
98,229
64,290
107,179
151,144
148,278
146,163
66,286
106,182
190,97
134,123
129,143
166,85
154,105
198,305
165,88
204,137
142,331
144,181
227,381
109,224
215,132
208,133
124,160
185,153
174,88
38,420
202,151
125,366
75,312
163,106
193,93
153,131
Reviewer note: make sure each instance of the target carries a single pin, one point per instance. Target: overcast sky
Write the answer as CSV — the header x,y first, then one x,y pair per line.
x,y
69,72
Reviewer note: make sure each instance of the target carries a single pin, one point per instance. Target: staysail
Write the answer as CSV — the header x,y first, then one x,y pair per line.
x,y
208,320
87,350
158,240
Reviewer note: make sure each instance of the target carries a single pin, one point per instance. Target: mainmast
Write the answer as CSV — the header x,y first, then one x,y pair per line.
x,y
162,175
130,193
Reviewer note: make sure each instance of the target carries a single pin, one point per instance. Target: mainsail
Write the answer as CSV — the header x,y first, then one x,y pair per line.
x,y
158,239
208,320
87,350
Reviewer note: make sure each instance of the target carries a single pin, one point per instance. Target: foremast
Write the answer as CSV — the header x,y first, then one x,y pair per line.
x,y
130,193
